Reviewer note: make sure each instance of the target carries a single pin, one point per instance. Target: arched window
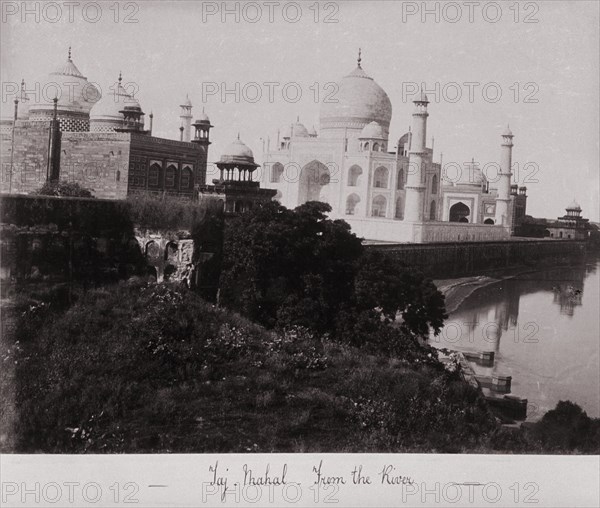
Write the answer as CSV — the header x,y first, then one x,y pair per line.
x,y
380,178
376,147
432,210
276,172
379,206
152,250
171,176
187,178
489,221
399,209
171,250
351,204
459,212
154,175
434,184
354,176
366,147
400,182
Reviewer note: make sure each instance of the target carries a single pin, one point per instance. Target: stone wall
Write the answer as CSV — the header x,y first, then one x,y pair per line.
x,y
57,239
446,260
54,239
97,161
24,158
398,231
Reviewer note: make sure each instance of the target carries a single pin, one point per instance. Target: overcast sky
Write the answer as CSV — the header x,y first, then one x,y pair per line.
x,y
175,48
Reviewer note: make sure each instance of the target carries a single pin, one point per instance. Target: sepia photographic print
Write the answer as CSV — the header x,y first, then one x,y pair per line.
x,y
300,253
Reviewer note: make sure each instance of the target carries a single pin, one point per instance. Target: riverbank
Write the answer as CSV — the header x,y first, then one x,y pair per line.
x,y
457,290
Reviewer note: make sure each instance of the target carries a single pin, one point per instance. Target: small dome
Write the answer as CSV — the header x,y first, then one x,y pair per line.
x,y
299,131
507,131
187,102
286,132
312,132
111,104
574,206
203,118
107,114
470,176
237,153
422,97
372,131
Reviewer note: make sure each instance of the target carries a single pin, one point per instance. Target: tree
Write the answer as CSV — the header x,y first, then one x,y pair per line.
x,y
396,291
285,267
298,267
64,189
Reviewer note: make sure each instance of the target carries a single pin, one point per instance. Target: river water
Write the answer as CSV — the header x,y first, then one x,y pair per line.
x,y
545,331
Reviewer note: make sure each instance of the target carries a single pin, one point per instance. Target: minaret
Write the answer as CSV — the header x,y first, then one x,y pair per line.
x,y
503,199
415,182
186,119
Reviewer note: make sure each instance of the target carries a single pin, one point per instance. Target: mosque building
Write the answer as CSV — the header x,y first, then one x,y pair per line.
x,y
67,129
385,195
570,226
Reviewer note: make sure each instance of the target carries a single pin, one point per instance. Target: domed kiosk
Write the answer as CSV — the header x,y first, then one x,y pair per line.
x,y
235,188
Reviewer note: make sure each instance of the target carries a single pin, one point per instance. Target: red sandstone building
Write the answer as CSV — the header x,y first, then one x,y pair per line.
x,y
100,142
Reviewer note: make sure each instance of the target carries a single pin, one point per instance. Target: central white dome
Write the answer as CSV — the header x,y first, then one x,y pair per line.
x,y
358,102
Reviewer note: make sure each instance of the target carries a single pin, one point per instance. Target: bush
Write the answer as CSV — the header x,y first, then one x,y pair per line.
x,y
61,188
164,212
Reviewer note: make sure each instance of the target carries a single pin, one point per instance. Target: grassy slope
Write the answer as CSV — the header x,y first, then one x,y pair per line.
x,y
135,368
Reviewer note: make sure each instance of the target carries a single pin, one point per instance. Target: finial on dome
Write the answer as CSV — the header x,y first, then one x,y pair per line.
x,y
69,57
298,119
238,136
359,57
120,77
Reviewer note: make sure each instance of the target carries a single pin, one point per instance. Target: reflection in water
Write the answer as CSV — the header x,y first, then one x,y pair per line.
x,y
567,298
544,330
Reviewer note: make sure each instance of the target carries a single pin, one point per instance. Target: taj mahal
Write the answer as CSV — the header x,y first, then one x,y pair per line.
x,y
387,192
388,196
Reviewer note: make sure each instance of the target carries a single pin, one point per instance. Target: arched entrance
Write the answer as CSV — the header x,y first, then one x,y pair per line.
x,y
379,206
459,213
314,182
489,221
